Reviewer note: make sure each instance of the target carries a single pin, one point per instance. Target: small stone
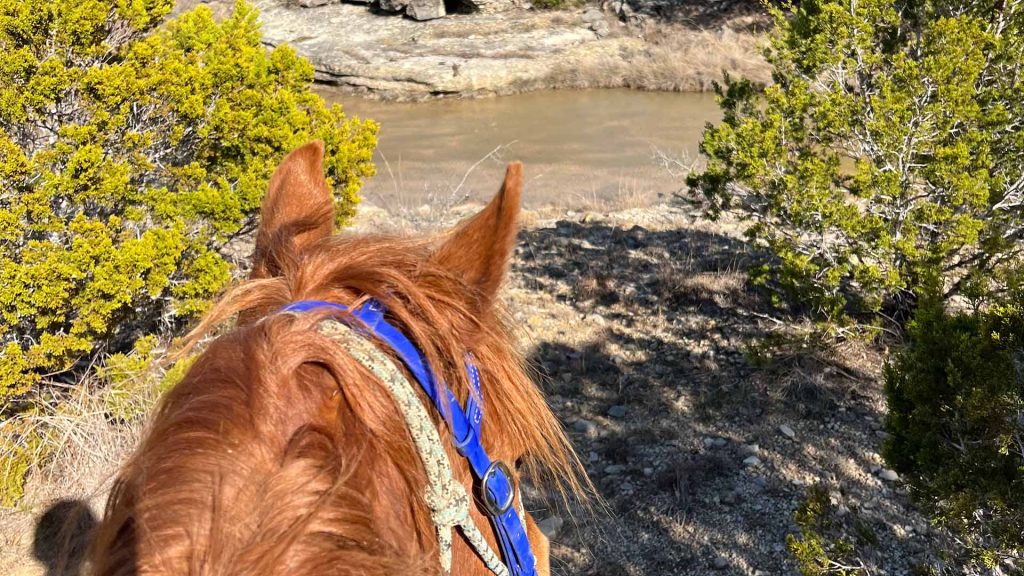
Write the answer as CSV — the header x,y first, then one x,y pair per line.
x,y
614,469
888,475
715,442
750,449
720,563
618,412
787,432
648,472
585,426
751,461
550,526
729,498
593,456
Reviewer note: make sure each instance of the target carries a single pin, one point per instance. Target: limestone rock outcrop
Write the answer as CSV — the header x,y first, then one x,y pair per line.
x,y
467,54
424,9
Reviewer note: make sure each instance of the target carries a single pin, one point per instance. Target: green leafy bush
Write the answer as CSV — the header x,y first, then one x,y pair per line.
x,y
131,151
18,451
135,380
956,419
822,546
888,149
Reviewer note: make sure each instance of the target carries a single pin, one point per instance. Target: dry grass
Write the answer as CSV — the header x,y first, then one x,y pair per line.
x,y
726,289
631,193
79,450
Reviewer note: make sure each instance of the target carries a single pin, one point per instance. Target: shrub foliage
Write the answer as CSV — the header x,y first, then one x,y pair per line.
x,y
131,150
956,419
821,547
888,149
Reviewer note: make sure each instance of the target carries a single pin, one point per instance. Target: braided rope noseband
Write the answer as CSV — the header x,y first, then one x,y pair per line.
x,y
445,496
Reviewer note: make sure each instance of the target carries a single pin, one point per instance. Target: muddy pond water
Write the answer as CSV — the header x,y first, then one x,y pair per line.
x,y
595,149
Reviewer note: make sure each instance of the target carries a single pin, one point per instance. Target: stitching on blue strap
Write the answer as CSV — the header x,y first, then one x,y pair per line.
x,y
464,425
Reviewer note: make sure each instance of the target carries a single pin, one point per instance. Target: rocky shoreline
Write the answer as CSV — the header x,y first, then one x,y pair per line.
x,y
362,49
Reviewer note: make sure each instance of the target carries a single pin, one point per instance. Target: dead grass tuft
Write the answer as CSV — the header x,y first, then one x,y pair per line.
x,y
74,446
596,285
683,478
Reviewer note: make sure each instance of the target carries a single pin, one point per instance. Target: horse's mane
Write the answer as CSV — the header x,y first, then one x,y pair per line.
x,y
429,303
275,399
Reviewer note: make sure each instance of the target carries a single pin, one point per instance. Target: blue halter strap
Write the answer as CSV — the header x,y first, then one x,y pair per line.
x,y
495,480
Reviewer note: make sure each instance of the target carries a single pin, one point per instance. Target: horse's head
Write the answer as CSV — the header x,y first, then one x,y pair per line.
x,y
279,453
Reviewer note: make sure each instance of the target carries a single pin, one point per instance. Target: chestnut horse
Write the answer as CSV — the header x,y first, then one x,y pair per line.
x,y
279,453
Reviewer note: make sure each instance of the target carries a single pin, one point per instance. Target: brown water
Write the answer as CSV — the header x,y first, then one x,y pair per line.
x,y
581,149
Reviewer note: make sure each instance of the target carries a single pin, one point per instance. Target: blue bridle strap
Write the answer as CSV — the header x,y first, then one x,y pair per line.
x,y
497,489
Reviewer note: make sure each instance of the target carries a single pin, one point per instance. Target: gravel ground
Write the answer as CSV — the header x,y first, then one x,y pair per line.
x,y
645,337
643,328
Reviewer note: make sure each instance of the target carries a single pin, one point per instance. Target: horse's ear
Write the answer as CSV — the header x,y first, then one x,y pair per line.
x,y
479,249
297,210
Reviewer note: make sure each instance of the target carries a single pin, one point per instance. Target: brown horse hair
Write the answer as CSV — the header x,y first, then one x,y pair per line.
x,y
419,297
310,470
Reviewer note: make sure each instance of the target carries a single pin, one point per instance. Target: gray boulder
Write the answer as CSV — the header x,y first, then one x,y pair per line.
x,y
592,15
425,9
415,9
393,5
430,9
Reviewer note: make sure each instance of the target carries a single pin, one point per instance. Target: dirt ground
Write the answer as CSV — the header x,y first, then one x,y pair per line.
x,y
643,333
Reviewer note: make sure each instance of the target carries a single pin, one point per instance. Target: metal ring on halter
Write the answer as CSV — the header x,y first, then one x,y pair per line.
x,y
497,508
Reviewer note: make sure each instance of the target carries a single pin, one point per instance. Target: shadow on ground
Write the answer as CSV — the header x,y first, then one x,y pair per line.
x,y
61,537
697,14
665,406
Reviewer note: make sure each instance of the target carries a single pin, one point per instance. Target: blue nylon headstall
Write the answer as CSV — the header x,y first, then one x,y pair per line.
x,y
495,480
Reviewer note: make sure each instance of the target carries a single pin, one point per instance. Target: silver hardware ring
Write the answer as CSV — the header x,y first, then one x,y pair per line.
x,y
497,508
